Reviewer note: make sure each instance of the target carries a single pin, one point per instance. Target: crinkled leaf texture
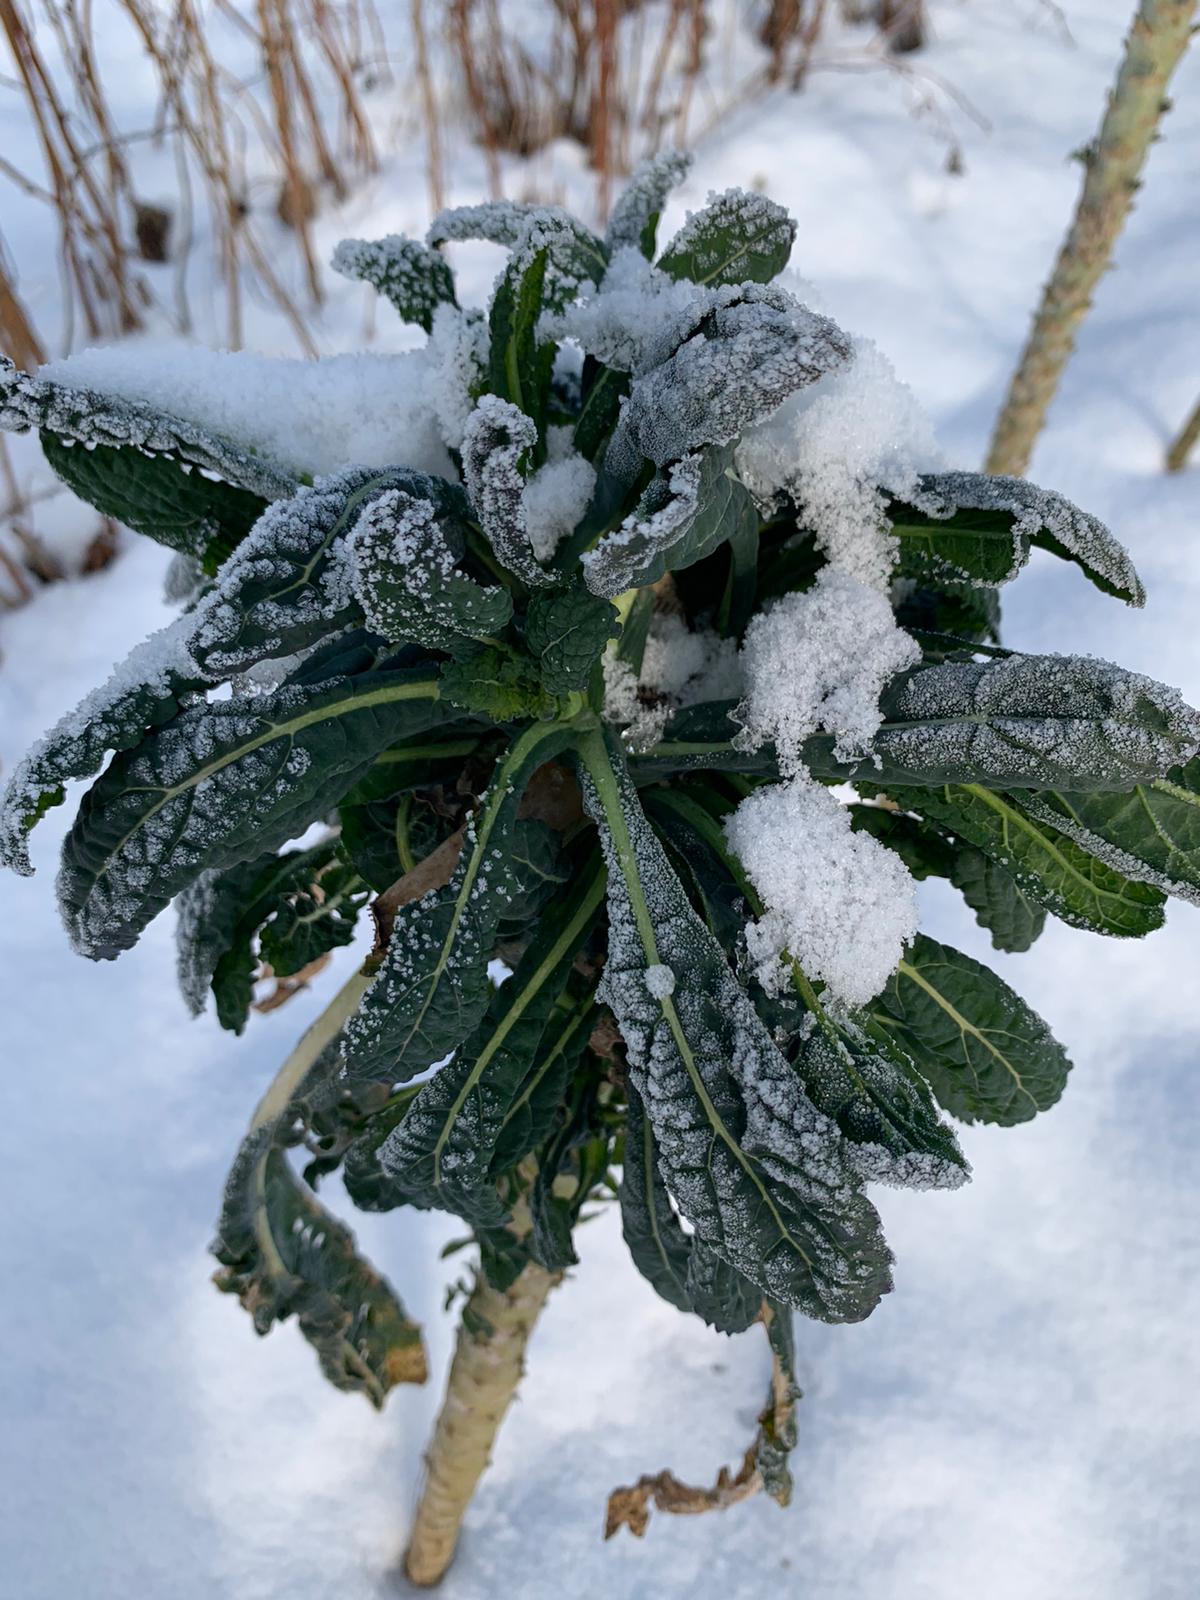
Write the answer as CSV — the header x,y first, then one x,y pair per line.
x,y
860,1079
678,1265
986,1055
1034,722
443,1151
284,1255
682,516
567,632
158,495
220,784
432,988
404,556
757,1170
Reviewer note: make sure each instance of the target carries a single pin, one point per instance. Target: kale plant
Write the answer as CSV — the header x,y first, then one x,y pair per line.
x,y
658,676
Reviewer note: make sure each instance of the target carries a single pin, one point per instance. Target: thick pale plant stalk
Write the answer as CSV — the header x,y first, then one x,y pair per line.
x,y
1185,442
1156,42
489,1361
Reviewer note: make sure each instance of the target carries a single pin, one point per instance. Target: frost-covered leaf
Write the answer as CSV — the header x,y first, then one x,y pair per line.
x,y
977,512
985,1053
679,1266
754,1167
1151,834
86,417
143,692
413,277
1048,867
497,454
745,358
284,1255
1035,722
737,238
284,590
871,1089
567,632
866,1085
302,903
405,558
291,583
159,496
683,516
634,219
599,411
432,988
222,783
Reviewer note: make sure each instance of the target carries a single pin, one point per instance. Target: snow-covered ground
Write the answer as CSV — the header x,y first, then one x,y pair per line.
x,y
1019,1419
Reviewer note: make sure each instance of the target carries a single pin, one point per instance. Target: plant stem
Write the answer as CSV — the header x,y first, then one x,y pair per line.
x,y
1185,442
489,1361
1156,42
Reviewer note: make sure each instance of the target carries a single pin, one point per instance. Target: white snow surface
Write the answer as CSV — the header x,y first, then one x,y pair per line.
x,y
1017,1419
840,902
366,410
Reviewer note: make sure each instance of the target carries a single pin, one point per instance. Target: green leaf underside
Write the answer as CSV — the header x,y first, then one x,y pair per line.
x,y
178,506
222,783
992,523
1012,917
378,813
1151,834
520,367
432,989
1048,867
986,1055
442,1153
751,1163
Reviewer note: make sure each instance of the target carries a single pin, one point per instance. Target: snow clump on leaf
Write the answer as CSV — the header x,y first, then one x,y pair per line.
x,y
819,661
842,904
